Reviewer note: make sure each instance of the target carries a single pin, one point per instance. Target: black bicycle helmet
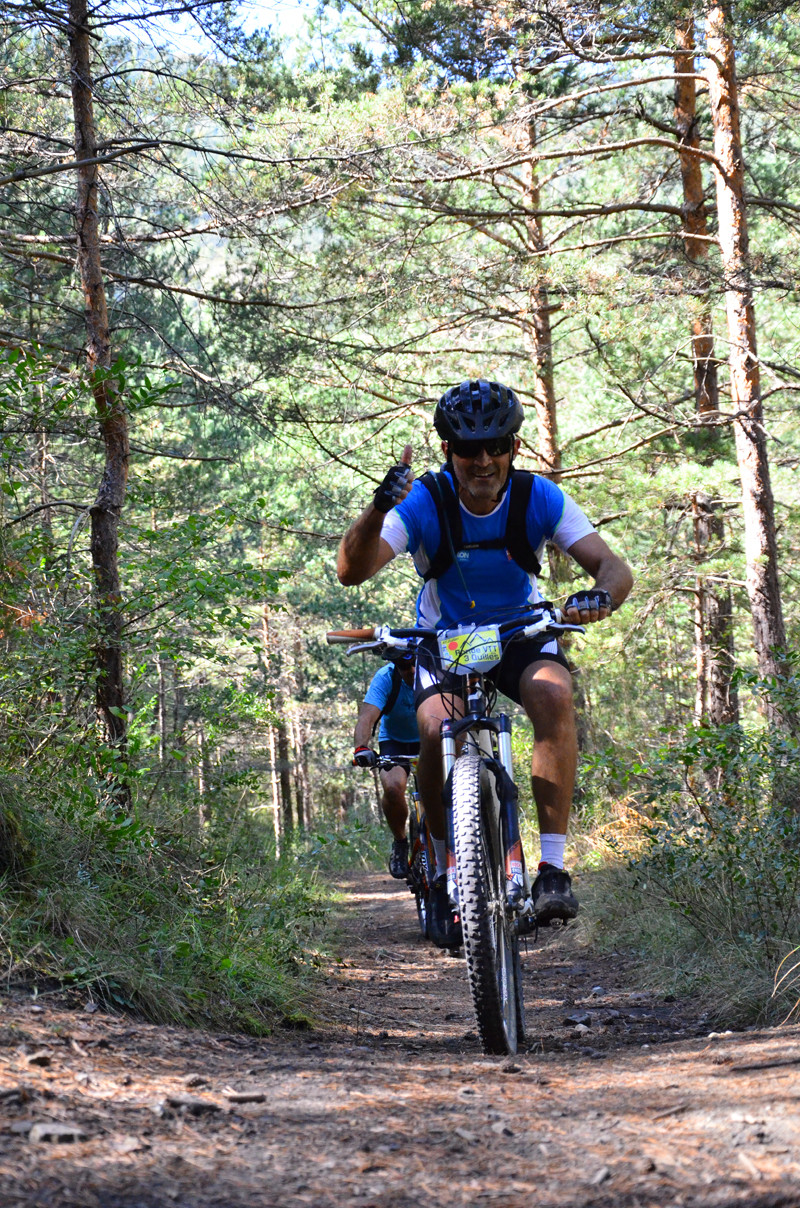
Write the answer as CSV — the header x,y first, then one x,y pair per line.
x,y
478,410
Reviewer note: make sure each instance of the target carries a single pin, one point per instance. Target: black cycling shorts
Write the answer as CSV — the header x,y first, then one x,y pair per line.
x,y
505,677
392,749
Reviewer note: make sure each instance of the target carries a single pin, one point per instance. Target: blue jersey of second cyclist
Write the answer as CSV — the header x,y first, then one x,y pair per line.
x,y
401,724
490,577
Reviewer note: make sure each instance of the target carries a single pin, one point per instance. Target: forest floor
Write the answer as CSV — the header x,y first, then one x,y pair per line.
x,y
388,1101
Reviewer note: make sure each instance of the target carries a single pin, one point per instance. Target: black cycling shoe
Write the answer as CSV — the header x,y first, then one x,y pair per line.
x,y
444,927
552,895
398,860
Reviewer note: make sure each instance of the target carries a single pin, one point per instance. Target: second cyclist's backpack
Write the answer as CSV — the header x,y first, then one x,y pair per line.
x,y
451,533
391,699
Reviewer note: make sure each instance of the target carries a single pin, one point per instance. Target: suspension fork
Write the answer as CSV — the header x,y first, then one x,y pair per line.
x,y
514,858
516,887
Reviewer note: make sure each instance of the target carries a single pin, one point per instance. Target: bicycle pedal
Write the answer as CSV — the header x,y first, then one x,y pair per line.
x,y
527,924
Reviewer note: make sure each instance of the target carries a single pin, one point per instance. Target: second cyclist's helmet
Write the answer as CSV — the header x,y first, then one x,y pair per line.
x,y
477,410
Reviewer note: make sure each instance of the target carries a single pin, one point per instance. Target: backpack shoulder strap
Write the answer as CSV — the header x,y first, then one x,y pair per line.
x,y
391,699
451,535
448,515
517,541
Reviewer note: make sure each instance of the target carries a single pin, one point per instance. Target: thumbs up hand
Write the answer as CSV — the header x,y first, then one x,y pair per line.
x,y
396,485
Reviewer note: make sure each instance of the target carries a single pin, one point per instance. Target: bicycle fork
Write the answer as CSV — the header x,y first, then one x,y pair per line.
x,y
518,889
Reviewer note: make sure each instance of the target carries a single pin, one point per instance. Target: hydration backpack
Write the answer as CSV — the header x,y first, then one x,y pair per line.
x,y
451,533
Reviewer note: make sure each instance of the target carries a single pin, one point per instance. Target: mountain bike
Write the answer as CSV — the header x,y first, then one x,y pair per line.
x,y
487,875
421,859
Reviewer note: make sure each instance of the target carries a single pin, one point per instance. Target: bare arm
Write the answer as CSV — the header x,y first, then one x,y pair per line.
x,y
363,551
607,569
367,716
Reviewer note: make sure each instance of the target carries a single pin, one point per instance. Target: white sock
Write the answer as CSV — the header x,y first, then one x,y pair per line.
x,y
440,851
553,849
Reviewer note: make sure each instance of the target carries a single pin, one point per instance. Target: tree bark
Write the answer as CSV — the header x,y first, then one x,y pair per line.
x,y
107,507
161,709
695,225
538,339
700,650
538,335
751,447
302,779
716,698
284,768
276,806
714,659
723,699
296,745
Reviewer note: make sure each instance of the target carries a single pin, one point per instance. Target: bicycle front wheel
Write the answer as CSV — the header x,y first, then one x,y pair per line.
x,y
490,940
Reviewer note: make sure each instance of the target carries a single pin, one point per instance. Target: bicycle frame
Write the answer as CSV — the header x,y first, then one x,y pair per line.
x,y
478,730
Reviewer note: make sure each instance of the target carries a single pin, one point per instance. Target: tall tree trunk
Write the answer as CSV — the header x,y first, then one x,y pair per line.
x,y
276,801
751,447
723,699
296,745
302,779
538,336
284,767
161,709
105,512
714,695
700,650
202,777
716,698
42,463
695,226
538,339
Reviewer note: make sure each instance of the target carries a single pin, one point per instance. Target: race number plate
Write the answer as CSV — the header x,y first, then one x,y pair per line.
x,y
474,649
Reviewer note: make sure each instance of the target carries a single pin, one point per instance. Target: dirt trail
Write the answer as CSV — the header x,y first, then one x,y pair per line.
x,y
390,1103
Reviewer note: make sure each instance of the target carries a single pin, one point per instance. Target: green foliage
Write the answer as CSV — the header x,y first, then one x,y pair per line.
x,y
715,864
150,914
336,234
359,842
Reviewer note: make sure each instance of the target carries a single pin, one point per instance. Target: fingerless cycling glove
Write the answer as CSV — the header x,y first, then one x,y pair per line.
x,y
585,601
391,488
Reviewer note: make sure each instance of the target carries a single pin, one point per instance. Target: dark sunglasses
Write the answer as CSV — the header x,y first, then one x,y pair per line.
x,y
472,448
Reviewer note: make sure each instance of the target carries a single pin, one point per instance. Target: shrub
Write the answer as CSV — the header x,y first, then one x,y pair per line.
x,y
709,884
141,916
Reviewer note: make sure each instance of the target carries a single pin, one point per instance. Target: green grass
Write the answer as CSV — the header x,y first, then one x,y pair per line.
x,y
210,931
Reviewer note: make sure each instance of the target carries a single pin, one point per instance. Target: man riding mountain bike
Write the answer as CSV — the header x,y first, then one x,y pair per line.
x,y
476,532
390,701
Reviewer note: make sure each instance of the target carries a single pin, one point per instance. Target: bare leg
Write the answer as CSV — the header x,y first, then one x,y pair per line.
x,y
430,775
395,807
546,693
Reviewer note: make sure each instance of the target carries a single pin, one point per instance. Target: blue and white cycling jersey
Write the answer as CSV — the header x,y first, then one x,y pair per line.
x,y
401,724
488,576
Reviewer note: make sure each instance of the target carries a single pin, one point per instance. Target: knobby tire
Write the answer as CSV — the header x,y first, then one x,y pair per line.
x,y
491,944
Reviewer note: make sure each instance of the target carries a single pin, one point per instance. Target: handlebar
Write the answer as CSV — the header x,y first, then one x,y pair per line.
x,y
385,762
375,637
408,762
336,637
